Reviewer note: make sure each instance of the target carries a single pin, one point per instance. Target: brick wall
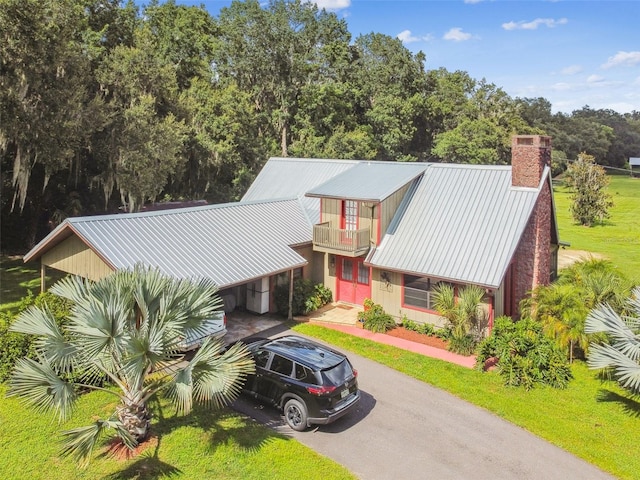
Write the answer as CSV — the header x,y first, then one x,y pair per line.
x,y
529,155
532,260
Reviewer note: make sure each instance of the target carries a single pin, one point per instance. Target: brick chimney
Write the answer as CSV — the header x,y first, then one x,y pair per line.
x,y
529,155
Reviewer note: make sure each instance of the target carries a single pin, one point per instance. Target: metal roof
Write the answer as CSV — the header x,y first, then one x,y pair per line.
x,y
369,181
293,177
230,243
460,222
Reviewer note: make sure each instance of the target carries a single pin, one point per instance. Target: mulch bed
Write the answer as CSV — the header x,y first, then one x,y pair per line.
x,y
118,450
401,332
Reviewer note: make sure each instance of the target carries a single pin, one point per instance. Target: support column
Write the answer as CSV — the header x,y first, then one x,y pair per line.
x,y
290,316
43,275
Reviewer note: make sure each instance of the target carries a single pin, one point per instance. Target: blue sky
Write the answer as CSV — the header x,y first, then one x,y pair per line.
x,y
573,53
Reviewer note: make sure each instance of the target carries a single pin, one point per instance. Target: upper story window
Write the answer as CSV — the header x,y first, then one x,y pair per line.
x,y
349,214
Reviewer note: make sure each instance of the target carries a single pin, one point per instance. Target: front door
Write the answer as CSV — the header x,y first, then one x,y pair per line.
x,y
354,282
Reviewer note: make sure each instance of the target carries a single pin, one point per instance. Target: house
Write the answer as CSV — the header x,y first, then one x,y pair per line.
x,y
634,166
382,230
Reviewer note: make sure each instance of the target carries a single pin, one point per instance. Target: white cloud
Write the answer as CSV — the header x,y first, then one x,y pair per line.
x,y
407,37
562,86
595,79
534,24
628,59
457,35
571,70
331,4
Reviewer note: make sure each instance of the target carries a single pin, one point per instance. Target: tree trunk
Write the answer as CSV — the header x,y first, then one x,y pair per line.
x,y
136,420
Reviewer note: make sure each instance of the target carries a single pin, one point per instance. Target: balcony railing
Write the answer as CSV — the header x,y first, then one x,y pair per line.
x,y
337,240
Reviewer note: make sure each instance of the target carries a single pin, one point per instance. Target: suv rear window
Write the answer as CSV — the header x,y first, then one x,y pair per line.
x,y
338,374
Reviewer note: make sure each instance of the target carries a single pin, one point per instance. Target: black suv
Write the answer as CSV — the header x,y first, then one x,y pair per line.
x,y
311,383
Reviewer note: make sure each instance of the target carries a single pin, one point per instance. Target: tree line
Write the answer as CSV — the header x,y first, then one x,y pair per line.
x,y
105,105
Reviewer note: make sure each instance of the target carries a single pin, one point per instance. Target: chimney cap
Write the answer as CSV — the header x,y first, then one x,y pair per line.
x,y
540,141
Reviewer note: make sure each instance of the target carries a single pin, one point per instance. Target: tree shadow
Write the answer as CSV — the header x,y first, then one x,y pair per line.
x,y
221,426
630,405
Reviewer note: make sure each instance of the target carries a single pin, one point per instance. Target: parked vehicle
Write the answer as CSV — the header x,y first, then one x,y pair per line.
x,y
311,383
213,327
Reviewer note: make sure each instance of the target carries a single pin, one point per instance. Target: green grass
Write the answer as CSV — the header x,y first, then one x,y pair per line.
x,y
593,419
220,445
618,238
17,279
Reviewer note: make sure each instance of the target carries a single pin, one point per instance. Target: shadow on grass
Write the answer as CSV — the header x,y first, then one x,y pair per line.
x,y
630,405
222,426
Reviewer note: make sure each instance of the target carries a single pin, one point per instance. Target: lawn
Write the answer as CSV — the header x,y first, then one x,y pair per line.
x,y
618,238
17,279
220,445
593,419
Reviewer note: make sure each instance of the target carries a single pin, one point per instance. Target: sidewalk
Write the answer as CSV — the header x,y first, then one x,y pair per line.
x,y
426,350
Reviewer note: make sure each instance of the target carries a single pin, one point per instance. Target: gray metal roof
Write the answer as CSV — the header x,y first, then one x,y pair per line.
x,y
293,177
369,181
229,243
460,222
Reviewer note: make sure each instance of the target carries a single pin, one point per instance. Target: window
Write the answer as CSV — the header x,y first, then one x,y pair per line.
x,y
350,214
282,365
262,357
418,292
347,269
283,278
304,374
363,274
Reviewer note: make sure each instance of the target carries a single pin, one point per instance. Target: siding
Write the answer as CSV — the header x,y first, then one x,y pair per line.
x,y
75,257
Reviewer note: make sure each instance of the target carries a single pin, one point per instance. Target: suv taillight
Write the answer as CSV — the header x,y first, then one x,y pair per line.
x,y
320,390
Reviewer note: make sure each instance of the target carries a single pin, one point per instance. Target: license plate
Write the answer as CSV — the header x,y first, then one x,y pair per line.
x,y
344,393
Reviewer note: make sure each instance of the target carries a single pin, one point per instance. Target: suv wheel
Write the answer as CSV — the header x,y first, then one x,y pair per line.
x,y
295,414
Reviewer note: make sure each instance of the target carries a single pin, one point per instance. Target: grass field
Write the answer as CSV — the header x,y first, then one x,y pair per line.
x,y
207,445
593,419
618,238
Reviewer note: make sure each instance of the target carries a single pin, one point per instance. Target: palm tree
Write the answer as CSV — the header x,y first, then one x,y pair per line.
x,y
561,311
126,327
463,313
622,354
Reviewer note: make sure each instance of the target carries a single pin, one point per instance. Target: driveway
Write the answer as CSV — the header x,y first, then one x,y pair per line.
x,y
405,429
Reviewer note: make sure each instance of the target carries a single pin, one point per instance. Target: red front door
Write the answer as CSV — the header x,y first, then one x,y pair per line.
x,y
354,282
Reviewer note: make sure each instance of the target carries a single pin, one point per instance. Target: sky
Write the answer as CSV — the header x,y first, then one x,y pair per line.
x,y
573,53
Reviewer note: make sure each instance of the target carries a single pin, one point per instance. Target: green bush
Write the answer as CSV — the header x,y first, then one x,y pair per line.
x,y
423,328
17,345
525,356
462,344
376,319
307,297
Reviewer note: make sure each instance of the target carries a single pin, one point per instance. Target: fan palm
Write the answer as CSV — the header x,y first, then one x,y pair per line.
x,y
127,328
622,354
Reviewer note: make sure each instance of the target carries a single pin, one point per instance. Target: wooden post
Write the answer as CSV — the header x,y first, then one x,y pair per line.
x,y
43,275
290,317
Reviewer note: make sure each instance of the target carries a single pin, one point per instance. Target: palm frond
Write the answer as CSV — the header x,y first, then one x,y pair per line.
x,y
39,385
219,378
626,370
73,288
79,442
51,342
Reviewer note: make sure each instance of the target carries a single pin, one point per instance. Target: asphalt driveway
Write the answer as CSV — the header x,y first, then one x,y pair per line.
x,y
405,429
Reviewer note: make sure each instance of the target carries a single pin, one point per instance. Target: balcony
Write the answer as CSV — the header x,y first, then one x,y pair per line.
x,y
350,243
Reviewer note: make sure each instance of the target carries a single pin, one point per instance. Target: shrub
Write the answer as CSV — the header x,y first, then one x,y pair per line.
x,y
15,345
376,319
307,297
423,328
525,356
462,344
